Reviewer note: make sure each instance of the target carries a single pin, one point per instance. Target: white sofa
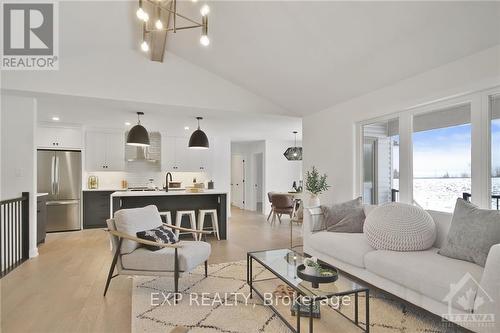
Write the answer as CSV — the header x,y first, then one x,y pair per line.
x,y
423,278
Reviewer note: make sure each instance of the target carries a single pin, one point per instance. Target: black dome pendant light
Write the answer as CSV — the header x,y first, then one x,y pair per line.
x,y
138,135
198,139
294,153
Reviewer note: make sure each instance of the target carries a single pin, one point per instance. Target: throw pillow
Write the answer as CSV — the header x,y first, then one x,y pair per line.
x,y
345,217
161,235
473,232
400,227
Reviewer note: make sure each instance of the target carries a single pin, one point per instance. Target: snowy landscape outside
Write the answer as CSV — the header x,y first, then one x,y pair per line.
x,y
442,166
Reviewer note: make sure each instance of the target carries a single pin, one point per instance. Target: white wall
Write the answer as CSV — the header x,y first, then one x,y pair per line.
x,y
222,168
279,173
18,154
329,135
173,82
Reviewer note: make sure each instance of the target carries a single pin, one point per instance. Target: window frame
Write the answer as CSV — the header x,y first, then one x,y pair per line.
x,y
480,143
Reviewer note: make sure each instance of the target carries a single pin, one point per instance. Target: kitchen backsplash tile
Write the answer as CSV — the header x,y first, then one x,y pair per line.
x,y
141,179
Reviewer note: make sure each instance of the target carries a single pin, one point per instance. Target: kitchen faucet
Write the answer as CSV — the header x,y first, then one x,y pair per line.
x,y
166,180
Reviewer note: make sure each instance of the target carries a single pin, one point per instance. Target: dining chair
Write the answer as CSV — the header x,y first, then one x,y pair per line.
x,y
282,204
270,198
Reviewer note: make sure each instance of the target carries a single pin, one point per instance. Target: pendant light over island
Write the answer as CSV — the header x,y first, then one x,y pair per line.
x,y
138,135
198,139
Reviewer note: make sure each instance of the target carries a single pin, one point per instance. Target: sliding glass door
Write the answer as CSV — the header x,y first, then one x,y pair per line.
x,y
381,162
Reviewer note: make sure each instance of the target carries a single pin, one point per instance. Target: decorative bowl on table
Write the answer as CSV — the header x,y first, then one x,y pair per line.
x,y
319,274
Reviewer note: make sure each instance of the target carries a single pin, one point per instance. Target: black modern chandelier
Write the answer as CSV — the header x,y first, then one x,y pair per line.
x,y
165,15
294,153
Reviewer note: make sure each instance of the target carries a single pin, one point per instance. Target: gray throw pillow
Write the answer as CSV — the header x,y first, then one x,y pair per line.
x,y
473,232
345,217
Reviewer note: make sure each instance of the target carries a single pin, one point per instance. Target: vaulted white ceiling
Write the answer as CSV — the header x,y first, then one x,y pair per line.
x,y
283,57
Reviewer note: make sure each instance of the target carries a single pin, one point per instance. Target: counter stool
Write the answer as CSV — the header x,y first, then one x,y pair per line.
x,y
215,223
168,216
192,220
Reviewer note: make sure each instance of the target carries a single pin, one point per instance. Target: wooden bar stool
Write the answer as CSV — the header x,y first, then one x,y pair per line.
x,y
215,222
168,216
192,220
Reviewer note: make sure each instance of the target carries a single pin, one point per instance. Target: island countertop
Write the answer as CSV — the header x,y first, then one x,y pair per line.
x,y
162,193
174,201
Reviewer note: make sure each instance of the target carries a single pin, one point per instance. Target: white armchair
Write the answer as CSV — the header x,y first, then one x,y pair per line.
x,y
130,258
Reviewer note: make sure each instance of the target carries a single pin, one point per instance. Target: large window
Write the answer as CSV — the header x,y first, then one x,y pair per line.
x,y
442,157
495,151
380,162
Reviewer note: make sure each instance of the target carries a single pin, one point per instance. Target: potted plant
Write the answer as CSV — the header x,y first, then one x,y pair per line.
x,y
311,266
315,184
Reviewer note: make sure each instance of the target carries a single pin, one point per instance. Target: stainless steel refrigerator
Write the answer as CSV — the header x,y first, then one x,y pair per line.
x,y
60,175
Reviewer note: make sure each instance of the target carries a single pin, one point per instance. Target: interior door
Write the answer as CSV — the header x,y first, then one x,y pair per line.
x,y
68,175
238,181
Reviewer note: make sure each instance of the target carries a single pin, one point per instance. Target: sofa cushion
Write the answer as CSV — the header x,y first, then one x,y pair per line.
x,y
131,221
425,272
345,217
191,254
443,222
348,247
473,232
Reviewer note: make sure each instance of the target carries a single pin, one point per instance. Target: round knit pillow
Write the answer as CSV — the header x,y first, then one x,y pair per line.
x,y
400,227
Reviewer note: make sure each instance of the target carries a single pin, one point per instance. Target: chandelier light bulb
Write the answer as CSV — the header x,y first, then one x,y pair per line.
x,y
204,40
145,46
194,0
145,17
205,10
159,24
140,13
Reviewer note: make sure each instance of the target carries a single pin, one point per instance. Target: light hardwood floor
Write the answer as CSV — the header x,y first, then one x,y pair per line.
x,y
61,290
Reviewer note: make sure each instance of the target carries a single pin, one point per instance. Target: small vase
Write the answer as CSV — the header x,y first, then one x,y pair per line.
x,y
314,201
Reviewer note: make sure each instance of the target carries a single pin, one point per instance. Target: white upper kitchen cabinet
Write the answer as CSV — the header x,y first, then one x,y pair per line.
x,y
54,137
178,157
105,151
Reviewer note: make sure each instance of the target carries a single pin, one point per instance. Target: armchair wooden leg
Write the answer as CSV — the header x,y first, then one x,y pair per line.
x,y
270,213
206,268
176,276
113,264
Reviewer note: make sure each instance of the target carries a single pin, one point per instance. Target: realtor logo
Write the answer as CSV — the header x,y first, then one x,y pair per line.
x,y
29,36
469,304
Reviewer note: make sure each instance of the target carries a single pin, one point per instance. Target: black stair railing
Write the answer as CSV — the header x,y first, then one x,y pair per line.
x,y
14,233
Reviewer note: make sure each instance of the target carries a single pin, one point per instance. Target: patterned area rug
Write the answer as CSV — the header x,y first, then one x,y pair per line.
x,y
219,303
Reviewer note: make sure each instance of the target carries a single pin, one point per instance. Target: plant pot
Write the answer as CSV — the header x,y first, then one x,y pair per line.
x,y
314,201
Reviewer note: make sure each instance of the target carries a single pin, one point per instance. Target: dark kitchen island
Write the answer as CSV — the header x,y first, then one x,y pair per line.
x,y
173,201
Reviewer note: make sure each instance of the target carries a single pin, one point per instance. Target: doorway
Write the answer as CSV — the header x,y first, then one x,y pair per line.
x,y
258,187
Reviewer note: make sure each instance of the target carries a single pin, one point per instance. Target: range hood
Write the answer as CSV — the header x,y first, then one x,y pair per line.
x,y
150,154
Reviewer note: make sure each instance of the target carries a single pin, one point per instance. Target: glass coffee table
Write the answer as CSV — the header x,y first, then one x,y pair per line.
x,y
282,266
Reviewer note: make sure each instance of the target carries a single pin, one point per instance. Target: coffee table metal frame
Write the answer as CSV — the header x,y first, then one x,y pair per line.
x,y
310,299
